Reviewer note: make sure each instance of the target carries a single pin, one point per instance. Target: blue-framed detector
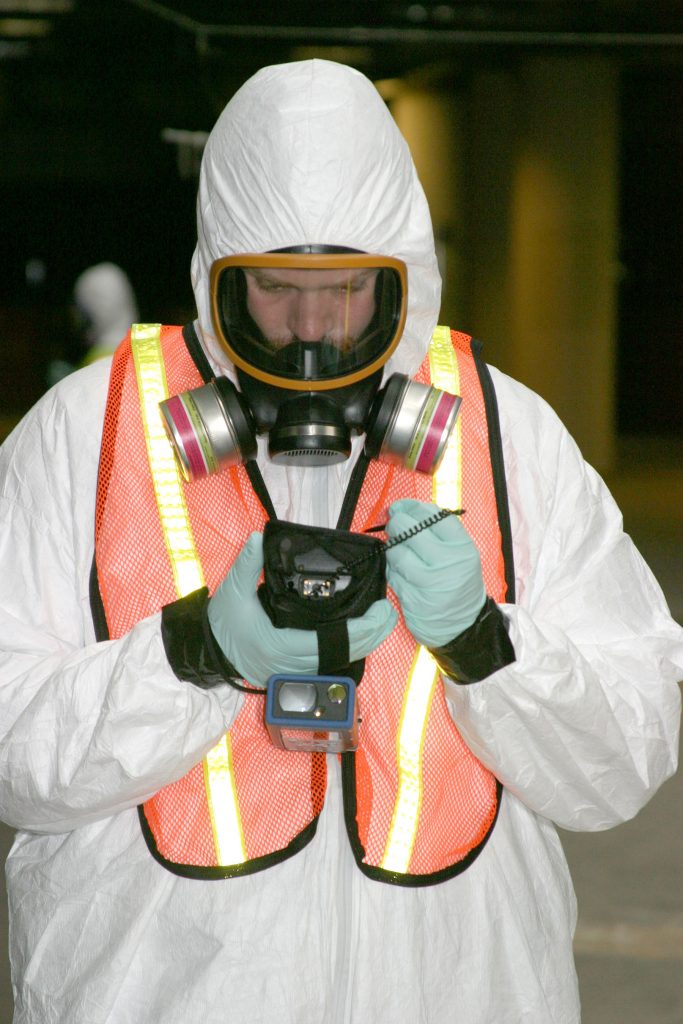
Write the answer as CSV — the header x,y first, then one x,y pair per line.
x,y
312,713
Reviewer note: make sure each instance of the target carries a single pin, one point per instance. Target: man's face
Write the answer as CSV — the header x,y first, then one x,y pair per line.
x,y
335,306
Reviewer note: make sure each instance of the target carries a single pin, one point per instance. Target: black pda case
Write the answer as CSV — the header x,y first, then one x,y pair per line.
x,y
314,576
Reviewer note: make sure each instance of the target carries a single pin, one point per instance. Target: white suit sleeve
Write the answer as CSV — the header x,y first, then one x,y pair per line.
x,y
86,728
583,726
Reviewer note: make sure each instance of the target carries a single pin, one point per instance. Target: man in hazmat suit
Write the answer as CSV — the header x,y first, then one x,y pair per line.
x,y
172,862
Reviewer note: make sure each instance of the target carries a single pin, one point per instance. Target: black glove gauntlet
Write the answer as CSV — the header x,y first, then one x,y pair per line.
x,y
191,648
478,651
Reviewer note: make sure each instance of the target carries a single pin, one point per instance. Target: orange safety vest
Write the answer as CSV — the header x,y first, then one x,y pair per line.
x,y
419,806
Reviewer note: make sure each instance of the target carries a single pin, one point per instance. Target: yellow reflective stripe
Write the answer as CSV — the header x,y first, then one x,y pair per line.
x,y
187,570
175,521
424,673
226,824
416,705
443,365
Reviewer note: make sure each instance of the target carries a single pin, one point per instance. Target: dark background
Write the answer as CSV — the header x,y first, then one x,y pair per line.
x,y
87,89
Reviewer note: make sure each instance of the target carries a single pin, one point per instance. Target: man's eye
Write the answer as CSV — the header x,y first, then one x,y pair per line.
x,y
271,286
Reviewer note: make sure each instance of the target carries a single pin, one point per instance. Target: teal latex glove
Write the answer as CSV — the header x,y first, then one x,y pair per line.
x,y
436,575
256,647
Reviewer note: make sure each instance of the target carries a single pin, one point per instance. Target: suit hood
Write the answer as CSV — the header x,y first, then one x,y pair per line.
x,y
307,152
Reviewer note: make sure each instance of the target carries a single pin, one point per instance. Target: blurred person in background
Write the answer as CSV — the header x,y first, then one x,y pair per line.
x,y
102,310
171,863
105,307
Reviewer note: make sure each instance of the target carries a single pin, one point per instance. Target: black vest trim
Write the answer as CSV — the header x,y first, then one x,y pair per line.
x,y
97,606
197,353
259,487
353,490
497,466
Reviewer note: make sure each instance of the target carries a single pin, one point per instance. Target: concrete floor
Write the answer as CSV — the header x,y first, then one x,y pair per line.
x,y
628,881
629,940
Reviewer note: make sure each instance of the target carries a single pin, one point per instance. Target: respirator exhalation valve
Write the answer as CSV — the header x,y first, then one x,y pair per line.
x,y
309,457
309,431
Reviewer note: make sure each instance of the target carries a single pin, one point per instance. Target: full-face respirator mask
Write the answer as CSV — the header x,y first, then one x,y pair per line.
x,y
309,331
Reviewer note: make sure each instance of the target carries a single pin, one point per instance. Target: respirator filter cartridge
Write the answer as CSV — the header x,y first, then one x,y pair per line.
x,y
411,424
210,428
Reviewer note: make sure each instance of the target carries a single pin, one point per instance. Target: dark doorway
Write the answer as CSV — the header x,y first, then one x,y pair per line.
x,y
650,339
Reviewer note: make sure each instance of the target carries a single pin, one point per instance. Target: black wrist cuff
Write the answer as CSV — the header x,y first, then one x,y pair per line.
x,y
191,648
480,650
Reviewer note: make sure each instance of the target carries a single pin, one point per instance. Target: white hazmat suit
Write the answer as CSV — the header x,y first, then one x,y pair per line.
x,y
581,729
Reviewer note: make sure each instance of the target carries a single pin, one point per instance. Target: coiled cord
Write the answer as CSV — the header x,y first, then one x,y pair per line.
x,y
347,567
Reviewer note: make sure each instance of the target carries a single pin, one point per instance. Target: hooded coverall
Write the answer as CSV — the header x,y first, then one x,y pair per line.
x,y
581,728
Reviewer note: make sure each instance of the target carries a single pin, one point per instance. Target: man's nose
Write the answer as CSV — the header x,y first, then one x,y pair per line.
x,y
311,316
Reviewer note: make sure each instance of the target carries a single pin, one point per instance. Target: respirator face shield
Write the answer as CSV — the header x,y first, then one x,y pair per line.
x,y
309,333
309,321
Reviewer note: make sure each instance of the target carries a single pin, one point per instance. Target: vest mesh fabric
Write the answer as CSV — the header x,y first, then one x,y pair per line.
x,y
281,792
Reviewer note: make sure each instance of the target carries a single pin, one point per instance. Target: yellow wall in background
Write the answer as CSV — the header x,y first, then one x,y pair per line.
x,y
431,121
520,169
